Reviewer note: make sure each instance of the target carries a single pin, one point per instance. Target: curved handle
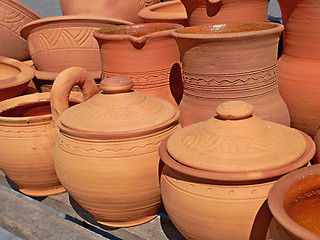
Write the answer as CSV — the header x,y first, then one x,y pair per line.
x,y
63,84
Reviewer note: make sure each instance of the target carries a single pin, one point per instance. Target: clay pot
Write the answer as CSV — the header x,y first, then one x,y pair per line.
x,y
171,11
294,203
14,77
56,43
123,9
106,154
298,67
202,12
219,172
235,61
287,7
13,16
27,136
146,53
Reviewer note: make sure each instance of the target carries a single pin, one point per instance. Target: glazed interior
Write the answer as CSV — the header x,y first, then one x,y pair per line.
x,y
8,71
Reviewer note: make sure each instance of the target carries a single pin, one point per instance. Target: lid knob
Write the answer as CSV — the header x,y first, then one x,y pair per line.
x,y
116,84
234,110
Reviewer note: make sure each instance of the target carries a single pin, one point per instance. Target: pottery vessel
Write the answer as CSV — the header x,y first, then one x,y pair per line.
x,y
123,9
27,136
294,203
13,16
146,53
14,77
106,154
216,68
202,12
171,11
57,43
298,67
287,7
219,172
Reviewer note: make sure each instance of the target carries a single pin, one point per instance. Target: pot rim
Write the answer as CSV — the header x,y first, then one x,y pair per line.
x,y
32,26
276,28
239,176
276,200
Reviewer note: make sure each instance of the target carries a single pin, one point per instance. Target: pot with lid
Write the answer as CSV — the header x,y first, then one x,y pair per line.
x,y
218,172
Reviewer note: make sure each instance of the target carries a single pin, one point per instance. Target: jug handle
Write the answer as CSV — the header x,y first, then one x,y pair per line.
x,y
63,84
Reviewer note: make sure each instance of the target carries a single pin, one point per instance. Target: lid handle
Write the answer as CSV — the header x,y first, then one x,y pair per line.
x,y
63,84
234,110
116,84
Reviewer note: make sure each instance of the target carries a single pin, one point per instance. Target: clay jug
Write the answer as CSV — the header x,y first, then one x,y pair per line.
x,y
219,172
298,67
106,154
146,53
235,61
202,12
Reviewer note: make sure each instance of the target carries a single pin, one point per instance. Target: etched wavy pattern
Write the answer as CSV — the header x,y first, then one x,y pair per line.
x,y
147,3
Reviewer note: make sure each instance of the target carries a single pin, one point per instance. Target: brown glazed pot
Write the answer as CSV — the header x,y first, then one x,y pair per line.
x,y
146,53
106,154
294,203
14,77
235,61
218,173
27,136
171,11
298,67
202,12
13,16
123,9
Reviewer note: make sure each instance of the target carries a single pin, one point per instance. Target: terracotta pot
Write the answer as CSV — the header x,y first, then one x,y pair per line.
x,y
146,53
171,11
219,172
287,7
13,15
123,9
106,154
14,77
298,67
27,136
56,43
202,12
294,203
216,68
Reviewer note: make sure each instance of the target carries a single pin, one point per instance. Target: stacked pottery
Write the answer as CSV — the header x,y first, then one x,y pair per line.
x,y
146,53
106,154
236,61
218,173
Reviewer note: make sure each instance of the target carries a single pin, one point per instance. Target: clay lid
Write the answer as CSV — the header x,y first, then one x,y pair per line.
x,y
236,141
118,111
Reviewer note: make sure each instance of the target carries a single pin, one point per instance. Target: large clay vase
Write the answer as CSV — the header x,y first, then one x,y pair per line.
x,y
287,7
146,53
230,62
218,173
299,71
106,154
202,12
123,9
294,203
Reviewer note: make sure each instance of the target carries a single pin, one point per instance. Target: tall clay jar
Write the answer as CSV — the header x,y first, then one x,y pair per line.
x,y
236,61
202,12
299,71
146,53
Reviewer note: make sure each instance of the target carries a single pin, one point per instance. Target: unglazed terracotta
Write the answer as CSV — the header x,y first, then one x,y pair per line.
x,y
14,77
27,136
171,11
202,12
298,67
56,43
106,154
287,7
219,172
146,53
217,67
294,203
13,16
123,9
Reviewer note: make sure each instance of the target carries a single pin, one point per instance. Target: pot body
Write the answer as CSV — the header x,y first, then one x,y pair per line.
x,y
287,7
202,12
